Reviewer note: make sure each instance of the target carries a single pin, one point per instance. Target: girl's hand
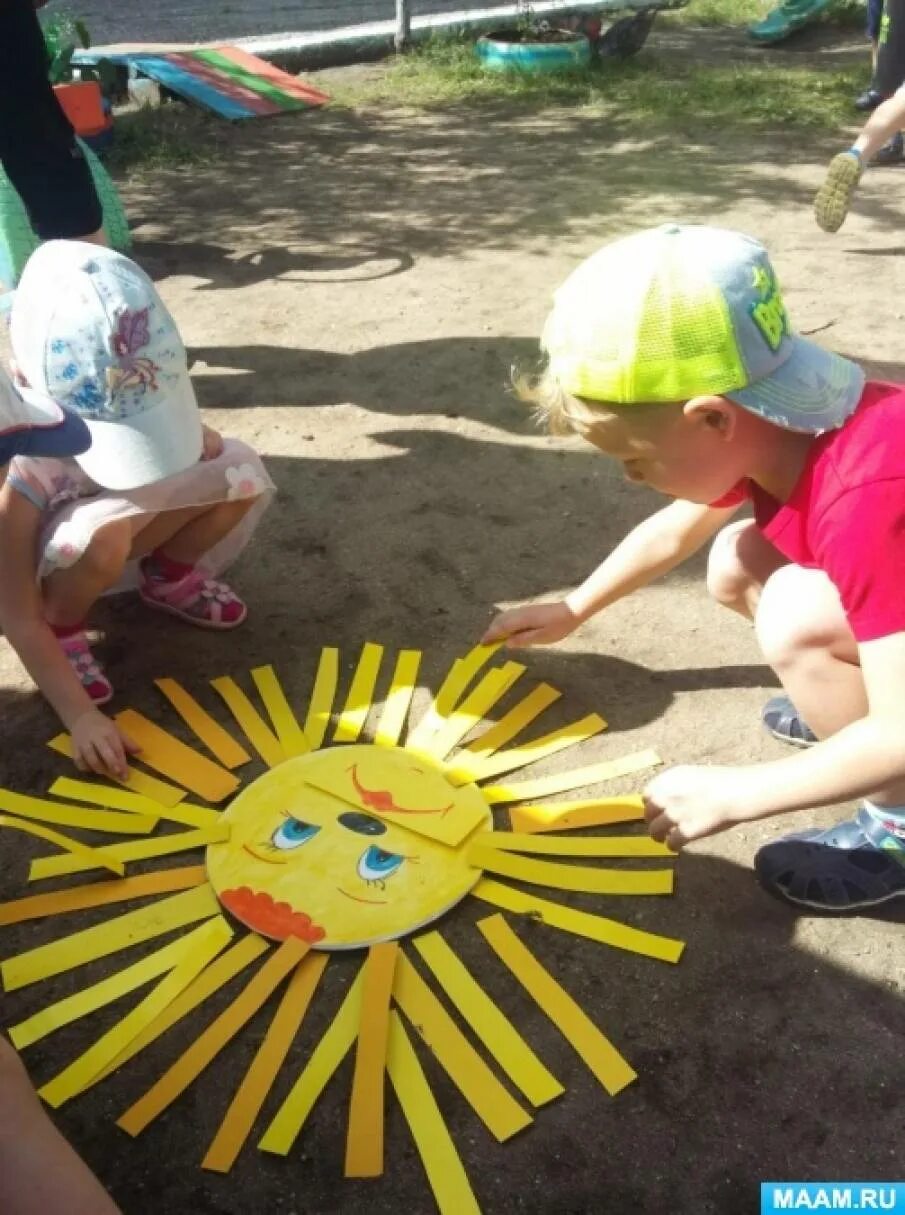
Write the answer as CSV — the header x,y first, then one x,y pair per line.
x,y
213,443
535,624
98,745
688,803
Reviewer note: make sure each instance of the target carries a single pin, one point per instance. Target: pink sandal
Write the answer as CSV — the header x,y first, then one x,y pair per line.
x,y
195,598
88,670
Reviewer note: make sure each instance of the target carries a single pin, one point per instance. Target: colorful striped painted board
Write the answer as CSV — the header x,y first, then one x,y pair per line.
x,y
224,79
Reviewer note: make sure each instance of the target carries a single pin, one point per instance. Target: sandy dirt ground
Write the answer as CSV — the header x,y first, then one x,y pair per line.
x,y
353,289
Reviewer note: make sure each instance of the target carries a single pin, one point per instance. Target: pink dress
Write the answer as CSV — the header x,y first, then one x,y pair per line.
x,y
73,507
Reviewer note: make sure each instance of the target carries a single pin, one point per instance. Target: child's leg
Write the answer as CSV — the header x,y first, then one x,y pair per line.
x,y
39,1171
860,862
805,637
741,560
184,536
70,593
172,580
835,196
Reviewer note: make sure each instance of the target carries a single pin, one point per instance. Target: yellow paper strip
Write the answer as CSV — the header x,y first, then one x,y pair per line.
x,y
321,704
217,975
250,1097
325,1059
192,1062
74,850
138,782
460,675
85,1071
134,803
585,878
364,1139
595,845
99,894
543,786
206,729
75,816
361,693
398,699
442,1163
474,707
581,923
493,1104
514,721
250,721
109,937
466,770
90,999
166,754
135,850
613,1072
499,1035
289,732
567,816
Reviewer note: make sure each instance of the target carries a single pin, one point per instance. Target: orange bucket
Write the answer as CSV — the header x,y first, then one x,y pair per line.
x,y
83,105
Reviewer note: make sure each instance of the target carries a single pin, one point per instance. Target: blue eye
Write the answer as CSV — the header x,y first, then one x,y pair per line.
x,y
375,864
293,834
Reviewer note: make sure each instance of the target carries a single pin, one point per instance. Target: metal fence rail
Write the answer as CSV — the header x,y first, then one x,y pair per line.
x,y
208,20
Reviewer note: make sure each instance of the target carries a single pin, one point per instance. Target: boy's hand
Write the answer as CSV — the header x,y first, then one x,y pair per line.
x,y
688,803
535,624
98,745
213,443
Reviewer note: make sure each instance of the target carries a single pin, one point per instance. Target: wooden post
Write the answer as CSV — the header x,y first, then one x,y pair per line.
x,y
403,24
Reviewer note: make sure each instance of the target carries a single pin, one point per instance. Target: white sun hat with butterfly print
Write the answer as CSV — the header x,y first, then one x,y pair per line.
x,y
89,330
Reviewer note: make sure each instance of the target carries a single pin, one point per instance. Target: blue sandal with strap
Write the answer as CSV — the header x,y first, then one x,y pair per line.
x,y
784,722
852,866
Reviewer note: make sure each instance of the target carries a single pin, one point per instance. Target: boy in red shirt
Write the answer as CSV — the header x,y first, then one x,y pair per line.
x,y
671,351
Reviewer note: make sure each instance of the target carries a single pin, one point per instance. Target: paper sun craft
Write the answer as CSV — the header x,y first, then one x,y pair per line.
x,y
340,846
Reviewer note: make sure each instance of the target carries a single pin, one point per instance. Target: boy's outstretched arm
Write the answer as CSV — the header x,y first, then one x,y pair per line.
x,y
653,548
866,758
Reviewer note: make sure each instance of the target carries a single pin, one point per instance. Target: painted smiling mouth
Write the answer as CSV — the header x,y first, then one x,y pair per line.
x,y
357,898
381,801
268,860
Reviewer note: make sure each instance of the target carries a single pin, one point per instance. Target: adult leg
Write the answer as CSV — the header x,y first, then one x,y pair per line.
x,y
39,1172
38,148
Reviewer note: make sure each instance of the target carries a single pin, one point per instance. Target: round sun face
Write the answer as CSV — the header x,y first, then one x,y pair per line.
x,y
317,849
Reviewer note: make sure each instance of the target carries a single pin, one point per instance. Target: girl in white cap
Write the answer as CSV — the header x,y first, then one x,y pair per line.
x,y
158,502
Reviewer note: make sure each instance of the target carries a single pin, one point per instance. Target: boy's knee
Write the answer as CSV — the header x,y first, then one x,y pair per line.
x,y
790,622
729,576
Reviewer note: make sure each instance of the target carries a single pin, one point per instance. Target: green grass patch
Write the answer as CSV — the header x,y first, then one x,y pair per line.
x,y
168,136
658,90
847,14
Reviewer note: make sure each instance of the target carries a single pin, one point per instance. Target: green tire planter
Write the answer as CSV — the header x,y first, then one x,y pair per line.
x,y
503,52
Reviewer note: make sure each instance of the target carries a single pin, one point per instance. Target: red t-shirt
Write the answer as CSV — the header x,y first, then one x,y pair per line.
x,y
846,514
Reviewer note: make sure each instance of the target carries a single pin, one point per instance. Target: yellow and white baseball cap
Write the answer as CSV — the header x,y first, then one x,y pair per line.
x,y
685,310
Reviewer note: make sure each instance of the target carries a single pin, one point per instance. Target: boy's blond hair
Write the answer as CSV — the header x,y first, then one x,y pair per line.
x,y
561,413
